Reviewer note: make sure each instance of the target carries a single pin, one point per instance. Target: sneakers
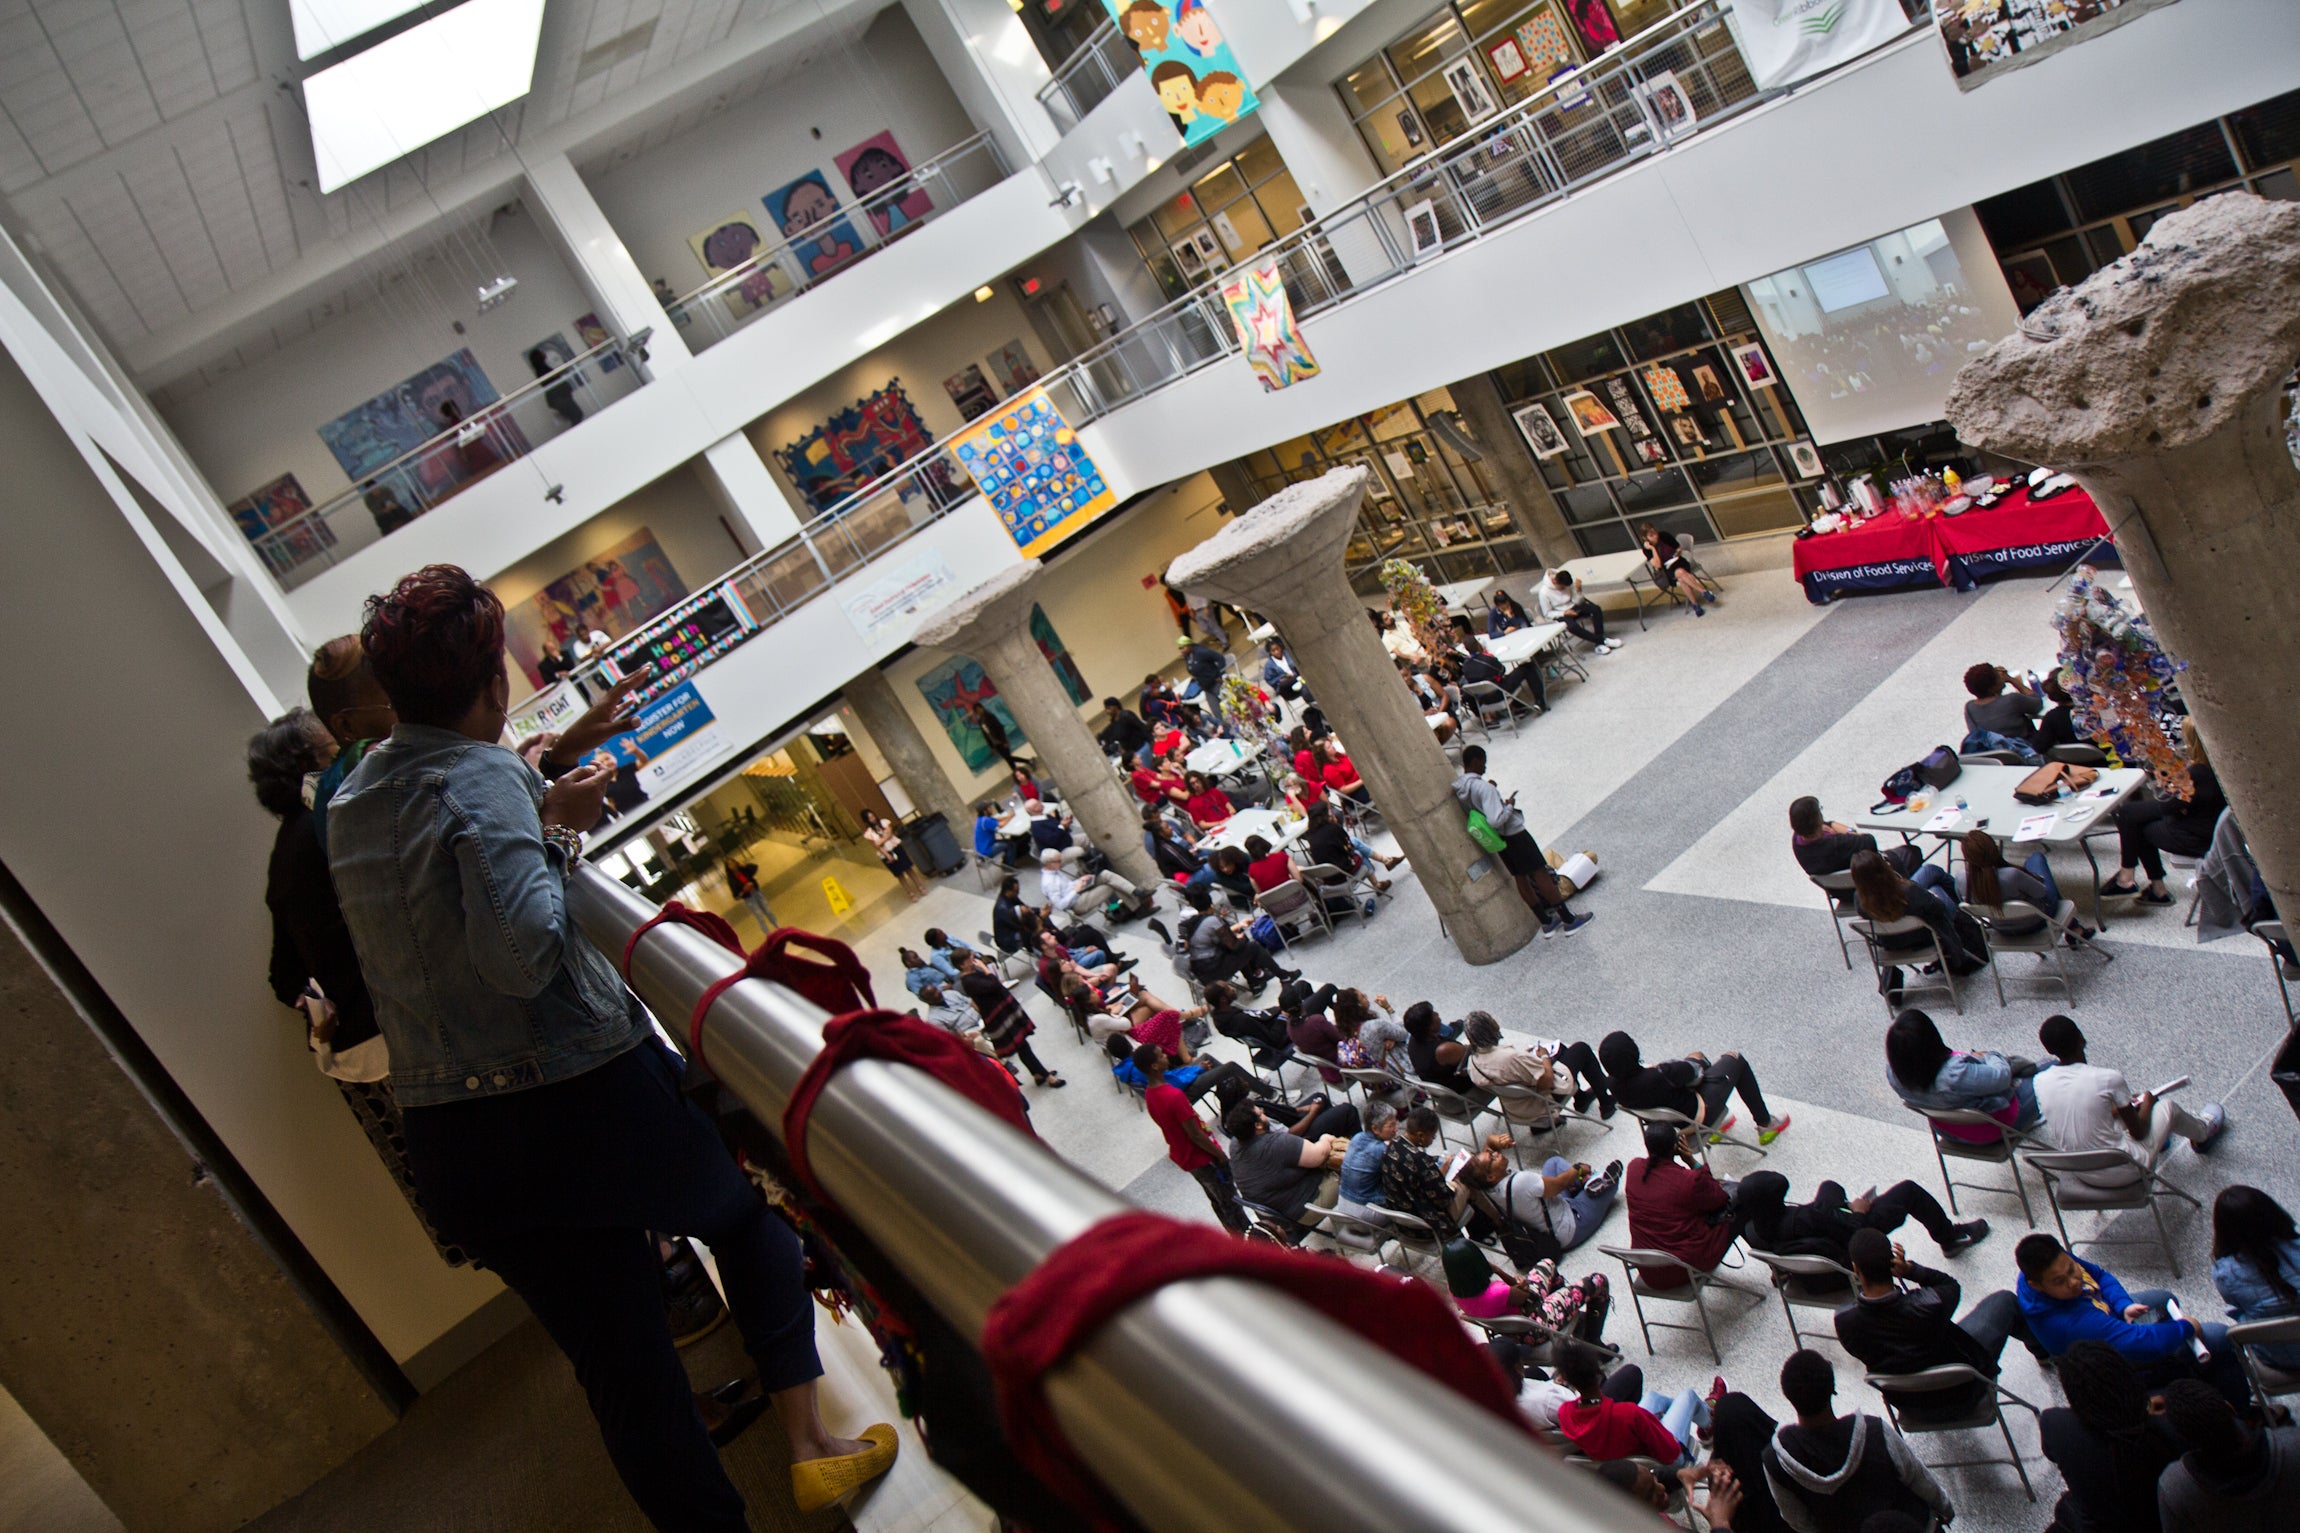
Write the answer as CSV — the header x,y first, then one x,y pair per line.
x,y
2215,1119
817,1482
1570,924
1970,1233
1697,609
694,1313
1609,646
1768,1132
1549,926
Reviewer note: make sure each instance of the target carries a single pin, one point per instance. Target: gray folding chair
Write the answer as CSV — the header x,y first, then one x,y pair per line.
x,y
2135,1186
1012,966
1831,885
1988,1412
2016,926
2270,933
1997,1150
1330,882
1294,911
2268,1380
1455,1107
1907,959
1693,1291
1810,1282
1527,1099
1704,1138
1486,700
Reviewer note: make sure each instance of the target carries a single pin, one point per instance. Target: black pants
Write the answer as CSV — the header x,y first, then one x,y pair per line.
x,y
1581,1059
1222,1192
1585,620
1739,1429
1210,1078
1731,1073
1527,679
1906,1200
1340,1120
2146,829
1030,1061
555,1189
1248,958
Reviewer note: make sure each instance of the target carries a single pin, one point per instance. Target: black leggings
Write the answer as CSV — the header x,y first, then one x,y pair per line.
x,y
1906,1200
2146,829
1581,1059
1731,1073
1212,1076
1030,1061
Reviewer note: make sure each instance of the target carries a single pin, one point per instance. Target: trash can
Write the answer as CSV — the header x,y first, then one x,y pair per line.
x,y
931,844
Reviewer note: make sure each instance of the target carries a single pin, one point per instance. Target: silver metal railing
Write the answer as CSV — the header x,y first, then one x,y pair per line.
x,y
1083,81
1214,1403
740,294
486,442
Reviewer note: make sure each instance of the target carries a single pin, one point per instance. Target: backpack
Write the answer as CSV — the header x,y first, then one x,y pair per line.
x,y
1937,769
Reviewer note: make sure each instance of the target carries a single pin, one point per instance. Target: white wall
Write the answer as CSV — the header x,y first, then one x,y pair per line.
x,y
886,80
254,425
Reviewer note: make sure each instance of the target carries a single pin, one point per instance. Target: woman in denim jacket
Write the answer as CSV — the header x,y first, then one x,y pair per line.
x,y
1925,1073
2256,1264
544,1125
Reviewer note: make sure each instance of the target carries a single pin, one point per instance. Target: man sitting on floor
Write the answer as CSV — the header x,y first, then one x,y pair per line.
x,y
2089,1107
1829,1471
1893,1329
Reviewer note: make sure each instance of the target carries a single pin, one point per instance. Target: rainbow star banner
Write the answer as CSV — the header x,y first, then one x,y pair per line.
x,y
1275,350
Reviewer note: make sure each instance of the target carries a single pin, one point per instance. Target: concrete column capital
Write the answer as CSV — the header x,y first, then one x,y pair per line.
x,y
994,615
1283,558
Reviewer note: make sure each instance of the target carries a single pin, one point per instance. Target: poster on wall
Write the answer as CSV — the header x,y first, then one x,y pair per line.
x,y
404,417
1197,78
1784,41
1625,406
1989,39
262,512
1034,471
1539,428
1469,93
1058,656
808,214
1667,389
725,246
1756,368
870,437
552,352
1593,20
877,169
1665,100
1541,38
951,689
1275,350
906,590
615,592
1011,366
1589,413
971,392
1508,60
592,333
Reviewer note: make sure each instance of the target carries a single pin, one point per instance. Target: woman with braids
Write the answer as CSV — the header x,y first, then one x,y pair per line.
x,y
2109,1447
544,1125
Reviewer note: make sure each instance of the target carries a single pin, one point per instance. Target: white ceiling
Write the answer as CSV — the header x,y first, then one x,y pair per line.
x,y
153,152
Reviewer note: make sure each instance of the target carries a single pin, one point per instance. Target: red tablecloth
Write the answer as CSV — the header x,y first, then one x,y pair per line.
x,y
1891,551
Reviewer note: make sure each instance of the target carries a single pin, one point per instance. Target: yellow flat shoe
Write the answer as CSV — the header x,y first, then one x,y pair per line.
x,y
818,1482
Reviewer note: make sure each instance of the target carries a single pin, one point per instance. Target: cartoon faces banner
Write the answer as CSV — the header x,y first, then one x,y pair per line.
x,y
615,591
877,167
808,213
1034,471
1196,76
726,245
1275,350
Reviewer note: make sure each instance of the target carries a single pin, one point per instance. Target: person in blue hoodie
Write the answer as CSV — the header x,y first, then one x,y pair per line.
x,y
2066,1299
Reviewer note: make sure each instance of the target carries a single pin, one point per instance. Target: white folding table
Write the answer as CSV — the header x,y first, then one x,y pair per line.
x,y
1270,825
1990,805
1522,644
1602,571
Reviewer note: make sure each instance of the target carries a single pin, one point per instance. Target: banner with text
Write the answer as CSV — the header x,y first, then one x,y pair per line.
x,y
1784,41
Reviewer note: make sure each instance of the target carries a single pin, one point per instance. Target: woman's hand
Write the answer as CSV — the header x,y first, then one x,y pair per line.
x,y
613,714
577,799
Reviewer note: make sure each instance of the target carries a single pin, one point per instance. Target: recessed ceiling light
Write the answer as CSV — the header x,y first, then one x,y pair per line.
x,y
982,295
324,24
425,83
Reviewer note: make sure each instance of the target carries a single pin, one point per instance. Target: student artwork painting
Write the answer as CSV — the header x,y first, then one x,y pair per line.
x,y
615,591
1036,474
591,332
1665,98
1756,368
879,175
724,247
1267,329
412,413
952,689
1012,369
971,392
1540,429
1711,387
1594,21
262,512
808,213
1469,90
1589,413
1198,79
1806,459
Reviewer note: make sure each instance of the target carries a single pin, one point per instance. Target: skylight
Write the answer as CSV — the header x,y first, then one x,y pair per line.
x,y
324,24
419,86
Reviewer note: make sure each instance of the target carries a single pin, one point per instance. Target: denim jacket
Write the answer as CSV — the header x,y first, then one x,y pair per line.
x,y
2250,1297
1978,1082
459,913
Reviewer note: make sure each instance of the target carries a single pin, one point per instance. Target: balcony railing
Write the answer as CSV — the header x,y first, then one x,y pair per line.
x,y
1085,80
487,442
837,244
1199,1406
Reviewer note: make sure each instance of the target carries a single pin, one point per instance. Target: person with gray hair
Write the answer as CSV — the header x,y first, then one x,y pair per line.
x,y
1362,1161
1549,1072
1063,889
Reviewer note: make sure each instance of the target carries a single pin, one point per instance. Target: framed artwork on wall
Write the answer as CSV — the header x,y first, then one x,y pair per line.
x,y
1189,260
1011,368
1508,60
809,216
1710,386
1589,413
1667,389
970,391
725,246
263,511
1540,430
875,434
592,333
1806,458
1467,83
370,436
1422,224
877,169
950,689
1625,406
1541,39
1756,368
1665,99
615,591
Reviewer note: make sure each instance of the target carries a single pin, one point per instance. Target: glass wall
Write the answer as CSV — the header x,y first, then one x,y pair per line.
x,y
2056,232
1233,210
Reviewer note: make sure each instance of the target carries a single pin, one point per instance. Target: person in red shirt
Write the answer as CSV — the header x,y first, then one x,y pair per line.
x,y
1268,866
1157,787
1188,1144
1335,771
1675,1204
1207,804
1602,1427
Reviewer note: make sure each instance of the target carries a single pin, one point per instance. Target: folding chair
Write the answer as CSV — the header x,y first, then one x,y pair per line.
x,y
2268,1380
1831,885
1987,1413
2065,1188
1704,1137
987,870
1882,958
1995,1151
1559,1114
1486,699
2271,933
1012,966
1809,1282
1454,1107
1325,881
1294,911
2016,926
1697,1284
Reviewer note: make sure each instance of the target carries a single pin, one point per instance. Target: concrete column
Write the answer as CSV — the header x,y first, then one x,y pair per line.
x,y
153,1341
1284,560
2158,383
568,212
992,623
1512,464
898,739
746,489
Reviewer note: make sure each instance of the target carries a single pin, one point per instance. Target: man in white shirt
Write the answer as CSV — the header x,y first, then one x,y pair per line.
x,y
2089,1107
1064,890
1560,599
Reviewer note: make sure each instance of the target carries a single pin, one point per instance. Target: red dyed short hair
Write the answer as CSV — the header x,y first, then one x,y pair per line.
x,y
434,642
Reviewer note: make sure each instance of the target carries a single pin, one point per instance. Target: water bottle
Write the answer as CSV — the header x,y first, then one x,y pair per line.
x,y
1961,804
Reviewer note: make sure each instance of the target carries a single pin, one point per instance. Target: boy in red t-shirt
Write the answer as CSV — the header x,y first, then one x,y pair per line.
x,y
1188,1144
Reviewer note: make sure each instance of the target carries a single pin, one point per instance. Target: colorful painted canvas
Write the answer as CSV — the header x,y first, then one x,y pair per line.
x,y
403,418
1197,78
617,591
877,168
1011,366
1034,471
949,688
591,333
1058,656
264,511
1542,37
971,392
1256,298
808,213
725,246
1589,413
867,439
1667,389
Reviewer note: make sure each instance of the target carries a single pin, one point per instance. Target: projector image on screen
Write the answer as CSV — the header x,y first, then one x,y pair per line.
x,y
1868,339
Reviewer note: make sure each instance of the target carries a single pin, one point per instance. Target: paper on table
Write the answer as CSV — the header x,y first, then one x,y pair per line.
x,y
2035,827
1944,819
